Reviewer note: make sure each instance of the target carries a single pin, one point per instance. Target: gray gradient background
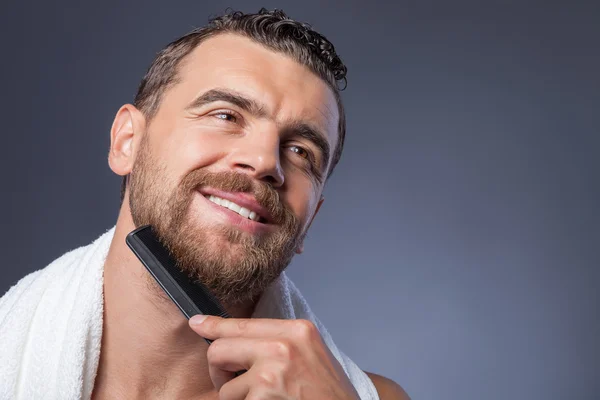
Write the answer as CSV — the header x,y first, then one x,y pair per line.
x,y
457,250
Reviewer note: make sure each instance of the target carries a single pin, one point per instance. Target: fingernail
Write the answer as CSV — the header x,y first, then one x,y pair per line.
x,y
197,319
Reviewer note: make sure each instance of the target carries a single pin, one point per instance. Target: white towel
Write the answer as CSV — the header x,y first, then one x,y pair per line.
x,y
51,327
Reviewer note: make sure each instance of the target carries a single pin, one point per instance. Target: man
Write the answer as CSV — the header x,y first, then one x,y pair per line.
x,y
225,152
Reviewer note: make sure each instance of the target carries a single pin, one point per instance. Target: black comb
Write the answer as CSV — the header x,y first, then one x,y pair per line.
x,y
191,297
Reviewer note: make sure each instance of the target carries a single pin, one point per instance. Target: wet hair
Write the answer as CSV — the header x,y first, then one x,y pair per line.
x,y
272,29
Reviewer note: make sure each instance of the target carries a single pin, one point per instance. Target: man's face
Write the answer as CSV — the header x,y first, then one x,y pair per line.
x,y
230,171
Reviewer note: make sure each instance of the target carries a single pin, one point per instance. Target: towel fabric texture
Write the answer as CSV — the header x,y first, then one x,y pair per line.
x,y
51,327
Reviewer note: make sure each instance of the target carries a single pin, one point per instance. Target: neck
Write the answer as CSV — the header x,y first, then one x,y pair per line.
x,y
148,349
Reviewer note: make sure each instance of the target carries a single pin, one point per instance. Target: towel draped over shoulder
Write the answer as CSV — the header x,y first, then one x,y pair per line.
x,y
51,327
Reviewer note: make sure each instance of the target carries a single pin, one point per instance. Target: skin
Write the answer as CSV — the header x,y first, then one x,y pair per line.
x,y
145,338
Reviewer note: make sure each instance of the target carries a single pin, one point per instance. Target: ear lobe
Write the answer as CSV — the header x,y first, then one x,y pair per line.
x,y
300,247
129,123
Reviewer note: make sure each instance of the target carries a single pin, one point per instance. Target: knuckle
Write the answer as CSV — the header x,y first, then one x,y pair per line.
x,y
305,329
267,379
281,349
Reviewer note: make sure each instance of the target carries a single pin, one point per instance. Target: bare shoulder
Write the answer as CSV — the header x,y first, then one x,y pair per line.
x,y
387,388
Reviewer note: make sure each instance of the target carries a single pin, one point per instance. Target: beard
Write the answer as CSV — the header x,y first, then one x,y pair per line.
x,y
234,265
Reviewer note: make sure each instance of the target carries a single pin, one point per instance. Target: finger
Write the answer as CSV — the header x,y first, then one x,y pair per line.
x,y
226,356
260,382
220,377
237,388
213,327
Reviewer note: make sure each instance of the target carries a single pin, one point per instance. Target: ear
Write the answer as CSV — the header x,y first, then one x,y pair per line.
x,y
127,129
300,247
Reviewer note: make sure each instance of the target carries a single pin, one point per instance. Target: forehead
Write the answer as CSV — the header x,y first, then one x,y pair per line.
x,y
287,89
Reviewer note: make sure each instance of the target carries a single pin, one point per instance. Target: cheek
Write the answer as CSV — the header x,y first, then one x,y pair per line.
x,y
302,199
194,150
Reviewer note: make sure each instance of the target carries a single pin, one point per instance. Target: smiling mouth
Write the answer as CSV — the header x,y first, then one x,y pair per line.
x,y
242,211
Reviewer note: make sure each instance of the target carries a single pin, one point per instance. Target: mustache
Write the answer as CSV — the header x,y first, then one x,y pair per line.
x,y
264,193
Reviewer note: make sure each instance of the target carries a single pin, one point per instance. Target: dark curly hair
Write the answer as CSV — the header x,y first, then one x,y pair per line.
x,y
273,29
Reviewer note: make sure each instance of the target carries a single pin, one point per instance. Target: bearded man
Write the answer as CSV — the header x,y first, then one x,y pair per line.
x,y
225,152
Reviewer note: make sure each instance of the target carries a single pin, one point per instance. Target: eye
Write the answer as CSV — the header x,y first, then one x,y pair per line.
x,y
226,115
300,151
308,160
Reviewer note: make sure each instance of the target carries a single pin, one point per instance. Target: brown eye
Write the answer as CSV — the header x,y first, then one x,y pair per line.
x,y
300,151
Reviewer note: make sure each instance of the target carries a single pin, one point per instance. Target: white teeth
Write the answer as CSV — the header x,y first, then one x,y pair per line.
x,y
244,212
234,207
215,199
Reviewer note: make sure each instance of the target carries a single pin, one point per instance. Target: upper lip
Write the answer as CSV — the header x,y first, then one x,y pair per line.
x,y
243,199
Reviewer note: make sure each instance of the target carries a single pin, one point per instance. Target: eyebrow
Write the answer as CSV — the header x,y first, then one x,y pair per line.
x,y
256,109
229,96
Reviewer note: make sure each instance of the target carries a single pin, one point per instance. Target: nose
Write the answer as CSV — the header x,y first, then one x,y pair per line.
x,y
258,155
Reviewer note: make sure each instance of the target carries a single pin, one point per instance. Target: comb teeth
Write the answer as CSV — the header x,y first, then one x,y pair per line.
x,y
196,291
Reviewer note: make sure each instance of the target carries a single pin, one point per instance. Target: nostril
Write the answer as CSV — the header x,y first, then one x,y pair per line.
x,y
270,179
245,166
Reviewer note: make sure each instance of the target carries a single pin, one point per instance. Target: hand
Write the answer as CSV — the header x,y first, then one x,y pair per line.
x,y
284,359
